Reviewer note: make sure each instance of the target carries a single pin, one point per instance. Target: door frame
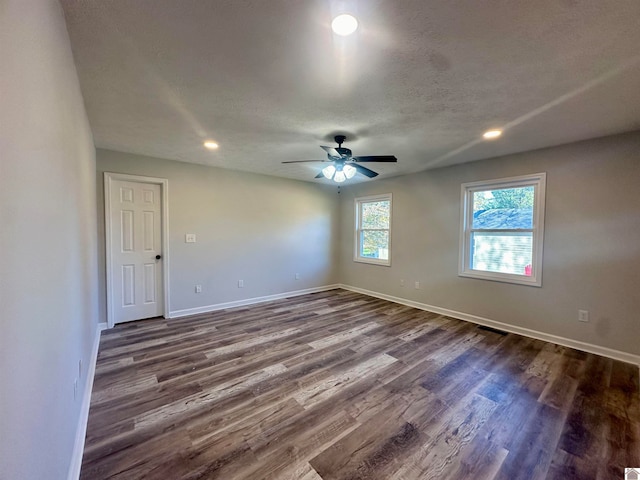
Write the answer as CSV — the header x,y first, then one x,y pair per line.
x,y
109,177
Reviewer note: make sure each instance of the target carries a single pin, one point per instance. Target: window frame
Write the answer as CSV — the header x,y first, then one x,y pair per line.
x,y
358,202
538,181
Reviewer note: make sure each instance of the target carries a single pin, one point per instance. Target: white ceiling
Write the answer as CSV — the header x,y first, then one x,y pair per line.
x,y
420,79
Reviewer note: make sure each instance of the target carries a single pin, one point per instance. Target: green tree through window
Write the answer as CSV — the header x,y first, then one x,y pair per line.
x,y
505,198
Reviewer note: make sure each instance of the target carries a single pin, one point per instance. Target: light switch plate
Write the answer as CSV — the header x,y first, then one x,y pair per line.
x,y
190,238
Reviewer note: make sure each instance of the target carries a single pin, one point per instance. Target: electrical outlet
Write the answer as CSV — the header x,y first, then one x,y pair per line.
x,y
80,368
297,276
240,283
75,389
583,316
402,283
190,238
198,288
417,285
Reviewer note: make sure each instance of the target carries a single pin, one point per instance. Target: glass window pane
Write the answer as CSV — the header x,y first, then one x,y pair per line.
x,y
376,214
375,244
502,252
503,208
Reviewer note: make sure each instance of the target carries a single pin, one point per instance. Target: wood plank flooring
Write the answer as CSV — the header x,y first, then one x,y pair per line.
x,y
338,385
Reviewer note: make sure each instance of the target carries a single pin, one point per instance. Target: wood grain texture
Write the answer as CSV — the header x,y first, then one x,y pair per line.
x,y
338,385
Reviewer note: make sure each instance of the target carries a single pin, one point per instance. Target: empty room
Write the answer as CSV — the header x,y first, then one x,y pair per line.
x,y
323,239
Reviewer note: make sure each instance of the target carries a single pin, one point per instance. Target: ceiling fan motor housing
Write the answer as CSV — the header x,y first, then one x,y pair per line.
x,y
345,152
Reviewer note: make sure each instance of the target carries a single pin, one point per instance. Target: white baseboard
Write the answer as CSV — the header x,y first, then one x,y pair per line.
x,y
566,342
248,301
81,430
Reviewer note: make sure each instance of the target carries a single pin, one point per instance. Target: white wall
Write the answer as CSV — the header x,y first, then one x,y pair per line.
x,y
591,249
256,228
48,279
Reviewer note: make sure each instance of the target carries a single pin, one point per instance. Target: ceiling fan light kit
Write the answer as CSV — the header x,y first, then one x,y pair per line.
x,y
339,175
343,165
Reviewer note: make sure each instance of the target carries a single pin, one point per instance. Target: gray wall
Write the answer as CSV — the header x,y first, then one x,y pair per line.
x,y
256,228
48,280
591,249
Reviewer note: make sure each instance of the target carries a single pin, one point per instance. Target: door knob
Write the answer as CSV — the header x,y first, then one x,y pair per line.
x,y
158,257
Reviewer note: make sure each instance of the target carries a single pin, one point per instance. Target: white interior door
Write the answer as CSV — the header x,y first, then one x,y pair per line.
x,y
135,215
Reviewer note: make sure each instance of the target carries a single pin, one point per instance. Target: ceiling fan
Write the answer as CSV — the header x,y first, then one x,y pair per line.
x,y
343,164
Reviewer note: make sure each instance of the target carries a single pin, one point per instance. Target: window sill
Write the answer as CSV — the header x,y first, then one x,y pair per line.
x,y
502,277
373,261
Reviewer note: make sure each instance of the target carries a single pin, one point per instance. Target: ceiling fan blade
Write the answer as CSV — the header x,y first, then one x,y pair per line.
x,y
364,170
306,161
331,151
375,158
320,175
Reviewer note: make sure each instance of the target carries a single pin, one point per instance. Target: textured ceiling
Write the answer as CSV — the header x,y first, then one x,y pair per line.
x,y
420,79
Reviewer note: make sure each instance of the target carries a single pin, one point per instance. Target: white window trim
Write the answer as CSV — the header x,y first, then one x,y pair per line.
x,y
356,253
538,180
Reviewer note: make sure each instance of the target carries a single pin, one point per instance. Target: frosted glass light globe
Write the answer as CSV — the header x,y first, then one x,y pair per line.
x,y
349,170
329,171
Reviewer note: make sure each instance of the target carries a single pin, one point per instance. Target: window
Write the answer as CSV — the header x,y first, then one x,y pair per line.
x,y
502,229
373,229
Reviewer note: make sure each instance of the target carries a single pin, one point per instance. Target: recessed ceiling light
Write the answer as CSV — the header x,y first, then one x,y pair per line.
x,y
344,24
211,145
491,134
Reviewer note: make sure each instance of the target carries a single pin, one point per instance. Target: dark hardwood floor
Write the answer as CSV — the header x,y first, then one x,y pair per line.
x,y
337,385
